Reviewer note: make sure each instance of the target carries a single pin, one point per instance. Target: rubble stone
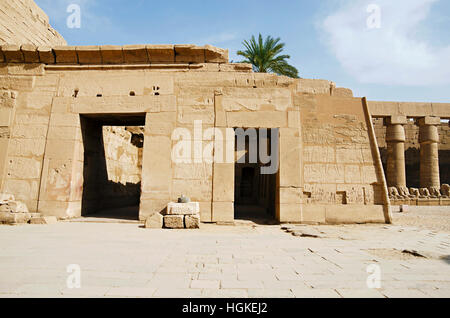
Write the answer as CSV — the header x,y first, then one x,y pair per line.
x,y
174,221
192,221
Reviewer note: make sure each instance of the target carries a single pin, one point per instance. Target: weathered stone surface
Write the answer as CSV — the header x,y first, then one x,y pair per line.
x,y
161,53
23,22
189,53
13,212
14,218
174,222
12,53
44,220
5,197
46,55
112,54
192,221
88,55
215,55
135,54
183,208
30,53
445,189
155,221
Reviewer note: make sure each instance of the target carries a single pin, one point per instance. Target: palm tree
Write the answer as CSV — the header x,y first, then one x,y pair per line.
x,y
265,56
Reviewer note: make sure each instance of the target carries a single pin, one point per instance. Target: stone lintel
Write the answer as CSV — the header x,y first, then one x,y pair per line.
x,y
189,53
163,53
66,55
89,55
30,53
113,54
429,121
12,53
2,56
46,55
135,54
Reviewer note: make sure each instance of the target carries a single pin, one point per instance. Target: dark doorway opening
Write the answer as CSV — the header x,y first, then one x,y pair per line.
x,y
113,147
255,192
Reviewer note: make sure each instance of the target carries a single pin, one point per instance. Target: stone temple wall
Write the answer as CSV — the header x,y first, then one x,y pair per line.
x,y
23,22
329,171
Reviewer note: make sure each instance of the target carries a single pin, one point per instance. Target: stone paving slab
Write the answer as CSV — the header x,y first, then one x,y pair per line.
x,y
125,260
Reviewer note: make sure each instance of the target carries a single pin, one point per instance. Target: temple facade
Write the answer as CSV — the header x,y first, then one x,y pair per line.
x,y
194,124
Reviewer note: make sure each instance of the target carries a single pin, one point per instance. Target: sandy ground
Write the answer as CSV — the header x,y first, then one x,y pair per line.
x,y
430,218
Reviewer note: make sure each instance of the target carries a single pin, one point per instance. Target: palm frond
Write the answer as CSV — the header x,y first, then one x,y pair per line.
x,y
265,56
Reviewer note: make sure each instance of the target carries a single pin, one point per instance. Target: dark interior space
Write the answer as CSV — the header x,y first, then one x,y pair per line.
x,y
444,166
255,193
102,196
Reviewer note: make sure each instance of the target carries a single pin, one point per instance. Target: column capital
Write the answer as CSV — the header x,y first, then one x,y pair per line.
x,y
395,133
429,121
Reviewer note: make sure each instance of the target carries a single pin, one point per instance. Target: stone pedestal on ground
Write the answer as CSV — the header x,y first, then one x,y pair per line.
x,y
182,215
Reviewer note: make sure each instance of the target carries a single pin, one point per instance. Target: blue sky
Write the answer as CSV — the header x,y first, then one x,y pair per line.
x,y
406,59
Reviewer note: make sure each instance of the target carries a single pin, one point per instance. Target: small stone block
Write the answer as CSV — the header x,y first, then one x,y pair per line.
x,y
155,221
192,221
174,221
183,208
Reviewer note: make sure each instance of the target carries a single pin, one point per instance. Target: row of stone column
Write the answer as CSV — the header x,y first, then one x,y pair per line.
x,y
429,152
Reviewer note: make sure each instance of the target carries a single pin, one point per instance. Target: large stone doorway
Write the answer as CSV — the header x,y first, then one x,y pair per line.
x,y
255,190
113,146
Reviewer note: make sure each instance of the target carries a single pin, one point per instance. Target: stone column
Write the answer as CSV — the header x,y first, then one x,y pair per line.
x,y
429,152
395,139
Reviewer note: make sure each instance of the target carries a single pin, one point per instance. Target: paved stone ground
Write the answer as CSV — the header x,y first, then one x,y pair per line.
x,y
124,260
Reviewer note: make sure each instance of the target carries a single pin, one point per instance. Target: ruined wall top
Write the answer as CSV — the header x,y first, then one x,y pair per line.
x,y
23,22
112,54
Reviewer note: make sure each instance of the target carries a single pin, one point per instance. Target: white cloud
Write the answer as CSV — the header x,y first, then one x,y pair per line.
x,y
393,54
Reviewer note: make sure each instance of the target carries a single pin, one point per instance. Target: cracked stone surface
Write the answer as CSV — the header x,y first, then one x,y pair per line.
x,y
124,260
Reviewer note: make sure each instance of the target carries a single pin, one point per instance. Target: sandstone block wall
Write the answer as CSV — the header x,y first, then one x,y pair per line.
x,y
44,135
339,167
23,22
